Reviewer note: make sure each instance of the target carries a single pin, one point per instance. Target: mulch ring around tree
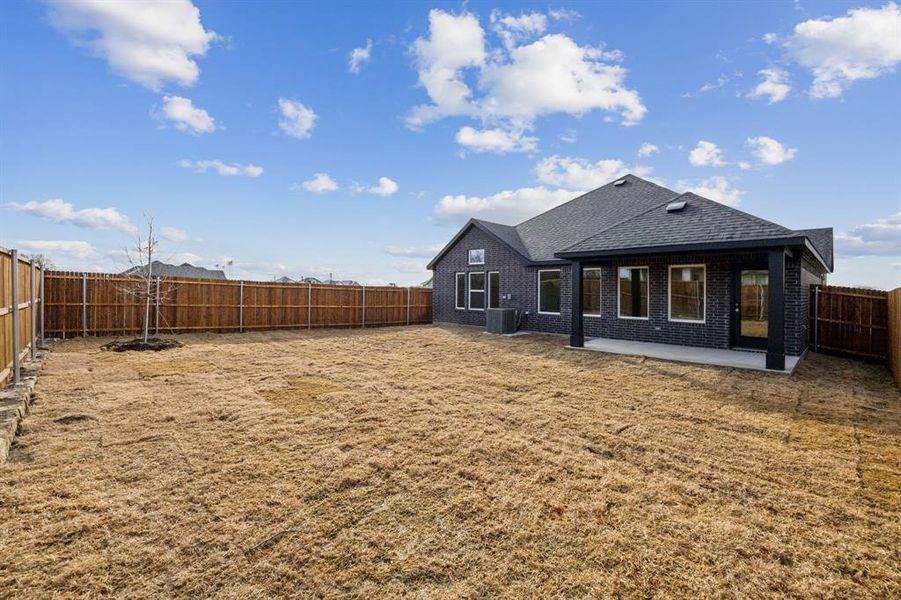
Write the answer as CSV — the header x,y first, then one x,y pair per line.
x,y
138,345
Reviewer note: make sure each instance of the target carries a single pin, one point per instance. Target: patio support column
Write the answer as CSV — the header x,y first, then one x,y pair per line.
x,y
775,346
576,335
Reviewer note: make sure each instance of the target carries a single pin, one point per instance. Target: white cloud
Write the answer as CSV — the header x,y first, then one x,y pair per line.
x,y
496,140
359,56
563,14
864,44
297,120
174,234
509,206
410,268
775,85
880,238
146,41
569,136
68,248
706,154
647,150
770,152
716,188
413,251
516,84
580,174
58,211
385,187
321,182
223,169
744,165
455,42
513,30
185,116
770,38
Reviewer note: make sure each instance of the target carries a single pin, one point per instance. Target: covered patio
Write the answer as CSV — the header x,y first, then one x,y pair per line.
x,y
740,359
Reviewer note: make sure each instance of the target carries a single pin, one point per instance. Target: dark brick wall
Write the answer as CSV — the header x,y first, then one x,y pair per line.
x,y
521,280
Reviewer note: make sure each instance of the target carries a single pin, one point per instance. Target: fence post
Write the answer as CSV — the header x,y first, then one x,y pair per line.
x,y
43,304
15,313
408,305
156,309
364,308
816,318
34,315
84,305
241,307
309,305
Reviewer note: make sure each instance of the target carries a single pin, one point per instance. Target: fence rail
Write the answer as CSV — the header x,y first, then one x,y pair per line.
x,y
21,321
102,304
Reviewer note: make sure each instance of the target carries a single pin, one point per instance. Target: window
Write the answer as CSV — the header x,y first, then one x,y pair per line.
x,y
494,289
591,292
476,291
687,292
477,257
460,291
633,292
549,291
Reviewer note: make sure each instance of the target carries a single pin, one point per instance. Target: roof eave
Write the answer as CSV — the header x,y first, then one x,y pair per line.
x,y
697,247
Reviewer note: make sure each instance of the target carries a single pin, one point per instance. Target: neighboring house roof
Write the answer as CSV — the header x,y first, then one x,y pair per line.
x,y
631,214
284,279
161,269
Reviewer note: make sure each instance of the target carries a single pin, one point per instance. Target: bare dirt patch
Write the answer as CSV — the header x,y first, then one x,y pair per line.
x,y
444,462
301,394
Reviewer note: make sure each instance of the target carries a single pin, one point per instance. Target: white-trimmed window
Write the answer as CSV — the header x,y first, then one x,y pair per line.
x,y
477,290
687,293
549,291
460,291
591,292
632,292
494,289
477,257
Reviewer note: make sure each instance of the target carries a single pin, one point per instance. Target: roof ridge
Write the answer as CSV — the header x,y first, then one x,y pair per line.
x,y
626,220
582,195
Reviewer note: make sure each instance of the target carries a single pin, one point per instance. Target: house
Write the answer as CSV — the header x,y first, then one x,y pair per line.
x,y
161,269
633,260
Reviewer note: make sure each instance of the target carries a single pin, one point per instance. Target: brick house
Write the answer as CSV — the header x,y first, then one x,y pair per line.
x,y
653,266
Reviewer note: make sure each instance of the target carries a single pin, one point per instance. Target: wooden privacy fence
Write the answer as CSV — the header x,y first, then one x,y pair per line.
x,y
21,325
80,304
894,334
849,321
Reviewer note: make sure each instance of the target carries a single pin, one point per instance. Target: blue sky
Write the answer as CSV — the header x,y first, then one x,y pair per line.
x,y
244,130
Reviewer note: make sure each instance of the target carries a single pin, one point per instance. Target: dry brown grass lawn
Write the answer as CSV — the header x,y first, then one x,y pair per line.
x,y
445,462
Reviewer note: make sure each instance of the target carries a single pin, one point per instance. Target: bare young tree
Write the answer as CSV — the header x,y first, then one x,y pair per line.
x,y
42,261
141,257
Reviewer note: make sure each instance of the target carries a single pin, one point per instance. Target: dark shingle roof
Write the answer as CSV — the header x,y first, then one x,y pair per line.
x,y
161,269
822,242
560,227
507,234
633,215
701,221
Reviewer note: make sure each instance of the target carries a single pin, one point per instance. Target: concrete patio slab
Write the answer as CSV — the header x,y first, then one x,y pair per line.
x,y
740,359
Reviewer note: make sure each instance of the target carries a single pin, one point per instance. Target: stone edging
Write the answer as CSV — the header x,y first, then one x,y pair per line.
x,y
15,403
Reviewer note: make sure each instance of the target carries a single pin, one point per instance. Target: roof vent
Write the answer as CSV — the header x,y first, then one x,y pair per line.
x,y
675,206
619,182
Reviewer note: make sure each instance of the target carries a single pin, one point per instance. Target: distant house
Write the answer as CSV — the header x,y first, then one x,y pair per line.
x,y
427,283
284,279
161,269
344,282
635,261
310,280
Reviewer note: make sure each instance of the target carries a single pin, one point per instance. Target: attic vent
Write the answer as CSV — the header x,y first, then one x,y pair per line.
x,y
675,206
619,182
